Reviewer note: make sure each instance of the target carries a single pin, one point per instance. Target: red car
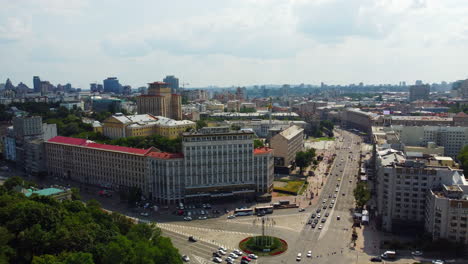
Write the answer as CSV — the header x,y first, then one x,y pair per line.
x,y
246,258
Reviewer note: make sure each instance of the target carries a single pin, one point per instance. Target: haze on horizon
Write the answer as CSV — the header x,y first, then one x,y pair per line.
x,y
234,42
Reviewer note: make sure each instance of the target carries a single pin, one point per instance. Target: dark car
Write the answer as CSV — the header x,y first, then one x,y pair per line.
x,y
376,259
313,225
313,215
310,221
192,239
216,254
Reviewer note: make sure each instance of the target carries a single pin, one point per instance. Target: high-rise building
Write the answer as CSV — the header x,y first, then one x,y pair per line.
x,y
160,102
419,92
37,84
172,82
286,144
112,85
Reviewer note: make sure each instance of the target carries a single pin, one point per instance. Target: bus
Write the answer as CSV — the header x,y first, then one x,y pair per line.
x,y
264,209
243,212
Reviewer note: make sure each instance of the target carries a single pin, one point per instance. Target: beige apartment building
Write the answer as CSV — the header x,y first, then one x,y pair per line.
x,y
286,144
160,102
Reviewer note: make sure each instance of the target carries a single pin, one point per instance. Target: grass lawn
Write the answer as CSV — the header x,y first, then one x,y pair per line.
x,y
324,139
291,186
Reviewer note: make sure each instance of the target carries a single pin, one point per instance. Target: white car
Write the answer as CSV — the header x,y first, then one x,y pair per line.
x,y
299,257
222,248
185,258
231,216
320,227
222,252
309,254
252,256
144,214
238,252
301,209
416,253
233,256
438,261
217,260
229,260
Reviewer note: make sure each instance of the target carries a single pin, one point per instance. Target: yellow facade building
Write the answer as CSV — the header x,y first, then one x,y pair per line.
x,y
119,126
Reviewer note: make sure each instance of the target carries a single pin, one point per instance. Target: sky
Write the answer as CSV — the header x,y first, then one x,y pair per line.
x,y
234,42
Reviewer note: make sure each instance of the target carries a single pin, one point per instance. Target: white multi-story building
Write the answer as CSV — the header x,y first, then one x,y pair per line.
x,y
451,138
262,127
402,185
447,213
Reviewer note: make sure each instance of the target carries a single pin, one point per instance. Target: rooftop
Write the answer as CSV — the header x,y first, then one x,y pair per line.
x,y
44,192
91,144
262,150
291,132
165,155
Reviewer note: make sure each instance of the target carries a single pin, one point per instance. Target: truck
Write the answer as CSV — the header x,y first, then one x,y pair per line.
x,y
389,254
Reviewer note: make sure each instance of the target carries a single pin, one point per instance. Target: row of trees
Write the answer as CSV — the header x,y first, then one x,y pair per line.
x,y
42,230
463,158
362,194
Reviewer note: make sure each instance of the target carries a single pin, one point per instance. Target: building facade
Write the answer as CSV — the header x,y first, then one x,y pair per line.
x,y
286,144
160,102
119,125
447,213
419,92
112,85
173,83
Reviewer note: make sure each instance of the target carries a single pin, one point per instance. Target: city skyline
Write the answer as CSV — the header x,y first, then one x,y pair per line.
x,y
234,42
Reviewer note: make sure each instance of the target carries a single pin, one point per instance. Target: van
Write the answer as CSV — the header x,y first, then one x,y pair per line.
x,y
389,254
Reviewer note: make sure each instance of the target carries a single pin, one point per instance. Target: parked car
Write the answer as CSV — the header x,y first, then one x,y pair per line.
x,y
376,259
309,254
301,209
188,218
320,227
217,260
144,214
192,239
313,215
252,256
299,257
185,258
438,261
313,225
338,217
246,258
416,253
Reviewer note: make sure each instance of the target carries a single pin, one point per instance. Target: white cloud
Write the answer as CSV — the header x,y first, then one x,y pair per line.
x,y
12,29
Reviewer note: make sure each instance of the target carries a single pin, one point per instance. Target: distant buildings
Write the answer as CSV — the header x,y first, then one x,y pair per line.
x,y
173,83
37,84
286,144
419,92
112,105
356,118
160,102
119,125
112,85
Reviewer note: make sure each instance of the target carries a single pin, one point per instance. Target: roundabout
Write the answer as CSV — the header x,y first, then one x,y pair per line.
x,y
263,245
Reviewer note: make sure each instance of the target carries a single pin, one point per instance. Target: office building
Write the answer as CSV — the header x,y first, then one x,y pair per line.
x,y
160,102
215,164
112,85
358,119
447,213
119,125
37,84
453,139
112,105
263,128
417,120
173,83
402,186
419,92
286,144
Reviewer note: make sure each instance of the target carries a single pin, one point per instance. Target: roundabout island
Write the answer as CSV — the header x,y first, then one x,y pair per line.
x,y
263,245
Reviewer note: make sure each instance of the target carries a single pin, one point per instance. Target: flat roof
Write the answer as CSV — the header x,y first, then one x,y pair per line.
x,y
91,144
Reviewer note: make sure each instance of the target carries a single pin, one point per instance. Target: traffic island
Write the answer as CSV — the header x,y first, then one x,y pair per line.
x,y
263,245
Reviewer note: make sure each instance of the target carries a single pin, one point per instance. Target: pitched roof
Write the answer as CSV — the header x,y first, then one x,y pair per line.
x,y
165,155
461,114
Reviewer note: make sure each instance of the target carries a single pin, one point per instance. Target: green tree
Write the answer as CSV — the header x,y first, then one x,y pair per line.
x,y
75,193
201,124
362,194
118,251
5,250
304,158
463,158
258,143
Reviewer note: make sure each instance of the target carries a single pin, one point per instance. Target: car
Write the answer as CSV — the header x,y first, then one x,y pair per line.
x,y
229,260
329,196
338,217
185,258
324,207
318,210
376,259
309,254
202,218
337,185
310,221
299,257
334,195
144,214
237,252
324,201
192,239
216,254
217,260
416,253
438,261
231,216
233,256
222,248
333,201
320,227
252,256
327,214
343,194
313,225
350,181
319,215
316,220
323,220
313,215
222,252
246,258
301,209
188,218
244,262
330,206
